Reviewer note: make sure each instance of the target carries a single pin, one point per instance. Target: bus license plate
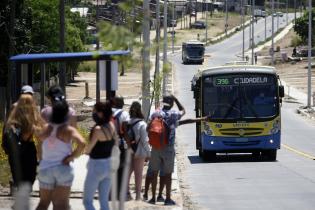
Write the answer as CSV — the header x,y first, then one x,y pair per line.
x,y
241,140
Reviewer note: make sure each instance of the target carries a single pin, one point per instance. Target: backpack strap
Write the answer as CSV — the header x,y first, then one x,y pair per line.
x,y
133,124
117,123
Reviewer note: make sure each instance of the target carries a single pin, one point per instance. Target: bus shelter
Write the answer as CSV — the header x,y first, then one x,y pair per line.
x,y
24,75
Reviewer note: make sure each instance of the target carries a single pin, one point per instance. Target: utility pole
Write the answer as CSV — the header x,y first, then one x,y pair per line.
x,y
272,33
294,11
165,47
98,96
243,29
62,72
146,58
173,30
253,31
226,16
278,15
206,23
309,79
287,20
157,56
265,27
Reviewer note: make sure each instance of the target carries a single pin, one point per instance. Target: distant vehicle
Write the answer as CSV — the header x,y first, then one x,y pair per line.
x,y
280,14
303,52
193,14
257,12
193,52
244,105
263,14
198,25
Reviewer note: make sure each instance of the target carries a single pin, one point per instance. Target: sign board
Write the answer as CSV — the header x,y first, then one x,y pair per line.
x,y
114,75
241,80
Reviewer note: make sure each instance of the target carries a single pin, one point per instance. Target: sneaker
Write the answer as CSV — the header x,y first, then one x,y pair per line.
x,y
169,202
145,197
152,201
129,197
160,199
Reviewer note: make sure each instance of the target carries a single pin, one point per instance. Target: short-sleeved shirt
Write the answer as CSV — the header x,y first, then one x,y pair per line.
x,y
171,117
124,116
47,112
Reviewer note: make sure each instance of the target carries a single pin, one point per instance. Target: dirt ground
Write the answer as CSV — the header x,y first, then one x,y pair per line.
x,y
293,73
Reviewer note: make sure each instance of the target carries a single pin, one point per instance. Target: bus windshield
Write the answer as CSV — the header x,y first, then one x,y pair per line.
x,y
195,50
241,96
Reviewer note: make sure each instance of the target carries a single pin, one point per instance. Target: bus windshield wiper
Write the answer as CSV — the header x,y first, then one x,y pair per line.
x,y
231,108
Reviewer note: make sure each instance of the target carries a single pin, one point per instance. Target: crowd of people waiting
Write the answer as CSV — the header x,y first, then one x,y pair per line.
x,y
59,143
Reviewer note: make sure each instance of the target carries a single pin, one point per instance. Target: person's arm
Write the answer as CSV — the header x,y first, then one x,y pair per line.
x,y
114,133
92,141
79,140
180,106
189,121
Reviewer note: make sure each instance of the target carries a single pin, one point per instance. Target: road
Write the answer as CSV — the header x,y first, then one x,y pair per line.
x,y
237,182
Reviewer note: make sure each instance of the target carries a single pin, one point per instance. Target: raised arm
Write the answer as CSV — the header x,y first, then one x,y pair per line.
x,y
180,106
189,121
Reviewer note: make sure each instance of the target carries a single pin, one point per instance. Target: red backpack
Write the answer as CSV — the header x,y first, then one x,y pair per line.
x,y
158,133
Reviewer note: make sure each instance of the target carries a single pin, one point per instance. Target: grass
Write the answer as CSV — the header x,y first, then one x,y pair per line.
x,y
4,167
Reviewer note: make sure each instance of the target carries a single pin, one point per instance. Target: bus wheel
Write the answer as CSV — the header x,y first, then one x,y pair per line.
x,y
270,155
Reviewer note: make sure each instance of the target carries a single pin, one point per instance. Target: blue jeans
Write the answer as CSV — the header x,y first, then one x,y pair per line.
x,y
97,178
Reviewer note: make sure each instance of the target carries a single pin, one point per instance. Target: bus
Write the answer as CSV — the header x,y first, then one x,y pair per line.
x,y
243,104
193,52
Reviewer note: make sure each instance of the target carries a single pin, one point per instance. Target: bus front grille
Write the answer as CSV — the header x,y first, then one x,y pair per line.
x,y
249,143
241,131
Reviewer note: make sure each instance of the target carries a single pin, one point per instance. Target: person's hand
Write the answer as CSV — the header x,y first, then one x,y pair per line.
x,y
67,160
147,159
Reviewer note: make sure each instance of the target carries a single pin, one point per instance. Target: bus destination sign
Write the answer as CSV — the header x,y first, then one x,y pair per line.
x,y
241,80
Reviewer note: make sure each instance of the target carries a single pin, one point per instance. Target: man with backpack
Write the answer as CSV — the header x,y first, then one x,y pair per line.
x,y
162,139
120,118
161,132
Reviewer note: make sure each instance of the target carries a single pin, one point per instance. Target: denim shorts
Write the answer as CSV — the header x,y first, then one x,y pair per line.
x,y
150,171
61,175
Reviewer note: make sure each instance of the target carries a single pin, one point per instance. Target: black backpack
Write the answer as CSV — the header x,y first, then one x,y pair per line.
x,y
132,136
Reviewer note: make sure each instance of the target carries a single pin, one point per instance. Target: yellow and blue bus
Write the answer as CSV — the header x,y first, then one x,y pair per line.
x,y
243,103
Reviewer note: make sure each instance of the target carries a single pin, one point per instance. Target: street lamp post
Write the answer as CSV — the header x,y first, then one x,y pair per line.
x,y
253,31
278,15
165,47
173,30
243,29
287,20
309,79
226,16
272,32
206,23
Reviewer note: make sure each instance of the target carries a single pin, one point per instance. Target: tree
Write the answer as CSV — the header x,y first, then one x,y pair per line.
x,y
301,27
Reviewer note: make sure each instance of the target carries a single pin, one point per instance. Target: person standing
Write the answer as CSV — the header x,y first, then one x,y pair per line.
x,y
55,172
24,121
140,145
54,93
163,159
103,137
121,118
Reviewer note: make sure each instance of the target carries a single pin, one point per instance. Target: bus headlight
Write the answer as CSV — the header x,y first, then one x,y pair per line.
x,y
207,129
275,127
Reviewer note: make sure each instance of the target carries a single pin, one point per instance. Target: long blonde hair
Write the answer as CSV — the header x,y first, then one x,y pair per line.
x,y
25,115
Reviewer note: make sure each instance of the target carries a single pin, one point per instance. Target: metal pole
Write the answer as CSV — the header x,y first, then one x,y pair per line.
x,y
62,73
165,47
157,55
278,15
206,22
272,32
309,79
226,16
253,31
146,57
98,92
42,84
243,27
173,30
265,27
287,18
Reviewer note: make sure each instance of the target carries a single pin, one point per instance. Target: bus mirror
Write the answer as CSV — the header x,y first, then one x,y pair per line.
x,y
281,91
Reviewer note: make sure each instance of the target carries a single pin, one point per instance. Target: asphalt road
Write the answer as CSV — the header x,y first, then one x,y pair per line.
x,y
237,182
